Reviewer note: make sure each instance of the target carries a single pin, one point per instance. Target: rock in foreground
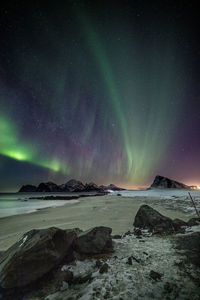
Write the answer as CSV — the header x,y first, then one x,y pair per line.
x,y
33,256
151,219
164,182
94,241
193,222
42,250
190,244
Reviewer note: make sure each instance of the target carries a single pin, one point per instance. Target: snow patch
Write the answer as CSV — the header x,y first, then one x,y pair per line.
x,y
23,241
127,281
169,198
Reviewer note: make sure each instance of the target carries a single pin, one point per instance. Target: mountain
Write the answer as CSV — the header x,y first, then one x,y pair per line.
x,y
111,186
92,187
164,182
47,187
27,188
72,185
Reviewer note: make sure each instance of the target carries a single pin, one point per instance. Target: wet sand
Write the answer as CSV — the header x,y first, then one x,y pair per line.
x,y
112,211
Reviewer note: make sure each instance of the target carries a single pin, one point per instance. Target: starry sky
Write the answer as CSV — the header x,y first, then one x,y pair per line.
x,y
103,91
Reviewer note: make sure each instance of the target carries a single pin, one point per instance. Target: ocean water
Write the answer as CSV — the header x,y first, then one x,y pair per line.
x,y
17,203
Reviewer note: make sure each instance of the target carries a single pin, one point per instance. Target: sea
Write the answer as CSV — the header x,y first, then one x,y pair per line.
x,y
19,203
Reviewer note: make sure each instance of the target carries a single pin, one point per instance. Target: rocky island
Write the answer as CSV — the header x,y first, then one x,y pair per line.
x,y
162,182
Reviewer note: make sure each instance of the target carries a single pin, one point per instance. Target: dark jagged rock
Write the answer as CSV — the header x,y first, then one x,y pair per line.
x,y
82,279
155,275
28,189
179,224
190,243
128,233
164,182
98,264
137,232
193,222
34,255
47,187
136,259
73,185
129,261
104,268
65,275
94,241
151,219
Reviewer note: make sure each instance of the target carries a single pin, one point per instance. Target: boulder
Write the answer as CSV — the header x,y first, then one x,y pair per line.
x,y
39,251
151,219
179,222
94,241
193,222
104,268
190,244
155,275
47,187
27,189
179,225
72,185
164,182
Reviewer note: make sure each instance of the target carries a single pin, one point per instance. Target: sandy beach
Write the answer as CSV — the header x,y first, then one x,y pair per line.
x,y
112,211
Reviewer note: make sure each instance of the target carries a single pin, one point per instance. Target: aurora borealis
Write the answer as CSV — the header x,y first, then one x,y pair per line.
x,y
104,91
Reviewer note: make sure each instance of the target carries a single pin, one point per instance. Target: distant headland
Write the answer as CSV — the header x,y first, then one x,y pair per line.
x,y
74,185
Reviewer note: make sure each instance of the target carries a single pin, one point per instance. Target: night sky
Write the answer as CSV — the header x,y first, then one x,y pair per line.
x,y
103,91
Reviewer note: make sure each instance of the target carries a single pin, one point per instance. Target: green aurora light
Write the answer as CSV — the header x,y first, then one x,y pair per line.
x,y
11,146
93,97
140,132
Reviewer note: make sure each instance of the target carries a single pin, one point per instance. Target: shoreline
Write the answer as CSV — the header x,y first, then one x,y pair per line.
x,y
65,202
111,211
41,201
